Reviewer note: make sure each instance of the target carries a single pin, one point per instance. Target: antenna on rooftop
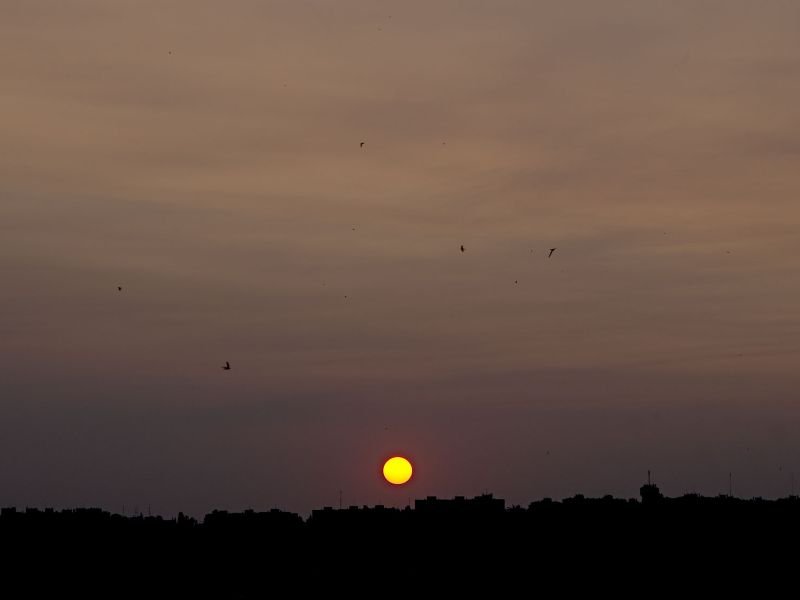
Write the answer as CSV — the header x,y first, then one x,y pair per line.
x,y
648,476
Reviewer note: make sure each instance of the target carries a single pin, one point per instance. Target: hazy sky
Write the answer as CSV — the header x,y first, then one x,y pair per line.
x,y
206,157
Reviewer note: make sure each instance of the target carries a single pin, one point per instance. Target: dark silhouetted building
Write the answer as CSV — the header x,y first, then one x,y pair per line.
x,y
485,504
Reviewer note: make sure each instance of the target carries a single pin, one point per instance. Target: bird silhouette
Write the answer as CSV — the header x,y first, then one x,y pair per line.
x,y
227,366
516,281
462,247
551,252
362,144
119,288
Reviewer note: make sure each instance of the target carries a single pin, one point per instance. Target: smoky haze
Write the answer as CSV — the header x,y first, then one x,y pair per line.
x,y
205,156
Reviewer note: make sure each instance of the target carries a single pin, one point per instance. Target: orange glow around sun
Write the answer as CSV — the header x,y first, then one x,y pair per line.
x,y
397,470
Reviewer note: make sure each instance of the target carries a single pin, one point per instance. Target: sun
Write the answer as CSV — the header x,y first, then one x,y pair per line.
x,y
397,470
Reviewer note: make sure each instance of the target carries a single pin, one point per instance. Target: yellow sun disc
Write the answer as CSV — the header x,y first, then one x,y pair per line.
x,y
397,470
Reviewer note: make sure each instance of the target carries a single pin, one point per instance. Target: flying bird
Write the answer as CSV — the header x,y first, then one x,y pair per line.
x,y
362,144
119,288
551,252
462,247
227,366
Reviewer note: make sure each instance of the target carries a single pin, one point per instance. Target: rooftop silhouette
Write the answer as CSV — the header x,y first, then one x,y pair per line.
x,y
253,551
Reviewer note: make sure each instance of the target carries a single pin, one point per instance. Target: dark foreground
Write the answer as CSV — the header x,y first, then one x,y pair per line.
x,y
686,546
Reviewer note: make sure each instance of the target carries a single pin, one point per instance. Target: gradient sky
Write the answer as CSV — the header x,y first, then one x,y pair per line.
x,y
205,156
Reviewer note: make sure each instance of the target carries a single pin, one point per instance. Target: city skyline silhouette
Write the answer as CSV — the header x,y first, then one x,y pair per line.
x,y
456,542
